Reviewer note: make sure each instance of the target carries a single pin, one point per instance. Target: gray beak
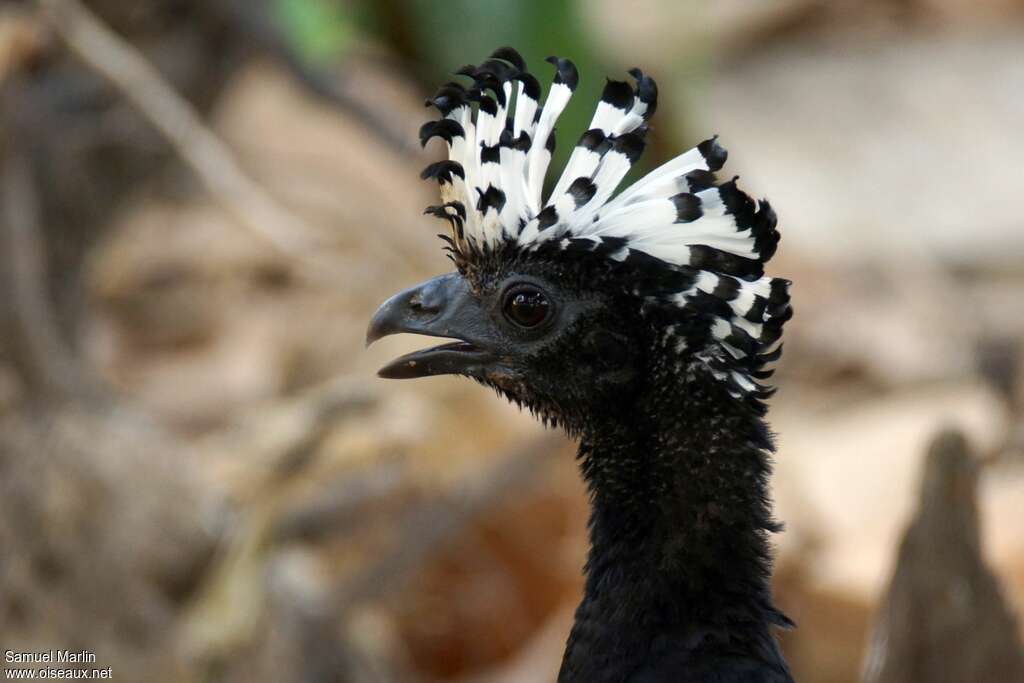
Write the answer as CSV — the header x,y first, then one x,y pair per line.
x,y
441,307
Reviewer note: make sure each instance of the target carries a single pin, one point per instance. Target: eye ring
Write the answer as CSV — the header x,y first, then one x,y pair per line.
x,y
526,306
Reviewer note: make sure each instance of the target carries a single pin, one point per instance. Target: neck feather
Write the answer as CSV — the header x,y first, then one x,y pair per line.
x,y
679,567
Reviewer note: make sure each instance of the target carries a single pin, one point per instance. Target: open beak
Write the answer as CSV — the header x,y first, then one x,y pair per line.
x,y
441,307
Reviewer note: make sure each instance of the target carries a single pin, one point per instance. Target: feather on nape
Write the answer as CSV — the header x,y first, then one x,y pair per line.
x,y
691,248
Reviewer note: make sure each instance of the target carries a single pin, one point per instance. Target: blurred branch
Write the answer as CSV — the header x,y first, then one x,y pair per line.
x,y
117,61
231,601
281,441
339,508
41,349
281,438
334,92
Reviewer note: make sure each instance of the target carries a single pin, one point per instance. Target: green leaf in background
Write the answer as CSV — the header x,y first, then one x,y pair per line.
x,y
322,30
439,37
445,35
433,38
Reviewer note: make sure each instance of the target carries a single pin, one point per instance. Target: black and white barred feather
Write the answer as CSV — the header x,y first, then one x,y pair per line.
x,y
693,249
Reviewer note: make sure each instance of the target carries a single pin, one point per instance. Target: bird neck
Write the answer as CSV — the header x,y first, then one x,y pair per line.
x,y
679,564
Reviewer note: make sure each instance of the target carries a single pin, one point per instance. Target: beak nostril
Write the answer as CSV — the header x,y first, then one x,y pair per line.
x,y
417,305
427,308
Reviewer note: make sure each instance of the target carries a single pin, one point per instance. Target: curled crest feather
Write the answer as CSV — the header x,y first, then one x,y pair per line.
x,y
691,249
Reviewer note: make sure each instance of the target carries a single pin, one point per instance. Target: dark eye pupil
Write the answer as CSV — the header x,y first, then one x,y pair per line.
x,y
527,308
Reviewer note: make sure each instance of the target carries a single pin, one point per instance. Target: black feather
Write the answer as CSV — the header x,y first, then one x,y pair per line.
x,y
714,154
565,72
447,129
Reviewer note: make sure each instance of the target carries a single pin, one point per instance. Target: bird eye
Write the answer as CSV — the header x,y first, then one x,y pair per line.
x,y
526,307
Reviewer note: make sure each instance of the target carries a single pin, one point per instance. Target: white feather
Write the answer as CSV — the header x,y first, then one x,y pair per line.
x,y
539,157
684,163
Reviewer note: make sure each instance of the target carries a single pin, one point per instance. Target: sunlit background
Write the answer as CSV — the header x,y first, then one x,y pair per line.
x,y
202,201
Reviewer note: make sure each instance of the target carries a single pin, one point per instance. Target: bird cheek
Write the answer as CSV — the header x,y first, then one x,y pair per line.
x,y
607,350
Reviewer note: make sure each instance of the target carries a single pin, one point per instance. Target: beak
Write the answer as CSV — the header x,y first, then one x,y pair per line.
x,y
441,307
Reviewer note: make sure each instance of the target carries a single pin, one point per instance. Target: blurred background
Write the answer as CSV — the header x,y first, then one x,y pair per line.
x,y
202,201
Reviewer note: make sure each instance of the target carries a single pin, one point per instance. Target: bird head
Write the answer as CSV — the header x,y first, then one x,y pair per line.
x,y
573,304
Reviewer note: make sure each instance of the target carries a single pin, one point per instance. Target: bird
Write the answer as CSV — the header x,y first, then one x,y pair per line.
x,y
643,325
